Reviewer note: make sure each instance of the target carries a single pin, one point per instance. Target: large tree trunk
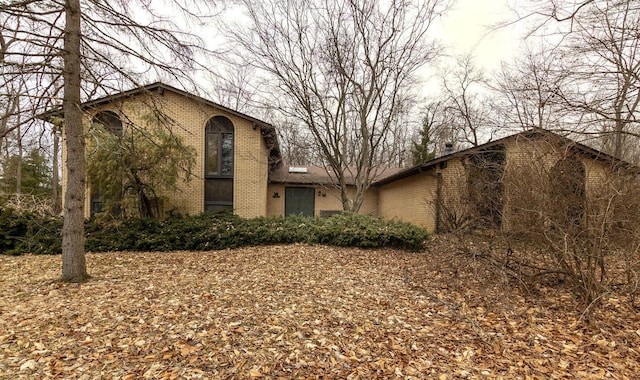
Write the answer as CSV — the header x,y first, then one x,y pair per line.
x,y
74,267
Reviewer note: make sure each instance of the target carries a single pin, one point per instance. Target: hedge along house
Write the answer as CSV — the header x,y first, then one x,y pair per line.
x,y
233,151
498,184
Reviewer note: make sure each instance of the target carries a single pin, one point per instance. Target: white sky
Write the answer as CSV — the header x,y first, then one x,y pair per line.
x,y
467,29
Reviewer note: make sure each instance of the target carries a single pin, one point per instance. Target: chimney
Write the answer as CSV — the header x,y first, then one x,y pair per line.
x,y
448,148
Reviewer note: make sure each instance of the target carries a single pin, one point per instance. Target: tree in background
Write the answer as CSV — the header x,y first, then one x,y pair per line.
x,y
35,177
598,58
527,91
465,104
343,69
423,149
296,145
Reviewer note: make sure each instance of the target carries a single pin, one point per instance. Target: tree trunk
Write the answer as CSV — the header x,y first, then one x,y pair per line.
x,y
618,139
18,188
55,197
74,267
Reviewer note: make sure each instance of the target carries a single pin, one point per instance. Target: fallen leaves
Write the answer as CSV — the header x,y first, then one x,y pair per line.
x,y
295,311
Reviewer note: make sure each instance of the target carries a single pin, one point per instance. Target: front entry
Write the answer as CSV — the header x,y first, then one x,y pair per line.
x,y
299,201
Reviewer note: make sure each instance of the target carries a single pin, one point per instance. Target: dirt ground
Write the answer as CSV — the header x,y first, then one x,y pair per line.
x,y
297,311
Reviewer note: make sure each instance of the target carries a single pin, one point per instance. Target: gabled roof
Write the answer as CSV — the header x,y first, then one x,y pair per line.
x,y
157,87
267,130
536,133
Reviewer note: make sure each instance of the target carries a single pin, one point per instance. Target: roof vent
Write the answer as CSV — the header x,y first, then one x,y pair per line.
x,y
297,169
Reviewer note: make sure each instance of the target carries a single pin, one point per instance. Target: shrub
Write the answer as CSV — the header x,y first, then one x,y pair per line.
x,y
29,233
41,235
354,230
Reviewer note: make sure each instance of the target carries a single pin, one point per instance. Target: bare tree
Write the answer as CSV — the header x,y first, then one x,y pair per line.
x,y
527,92
441,130
465,102
55,165
296,145
344,70
599,54
234,88
78,50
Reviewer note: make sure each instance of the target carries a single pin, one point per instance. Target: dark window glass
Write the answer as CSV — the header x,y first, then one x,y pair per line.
x,y
110,121
567,188
212,153
218,188
227,154
219,147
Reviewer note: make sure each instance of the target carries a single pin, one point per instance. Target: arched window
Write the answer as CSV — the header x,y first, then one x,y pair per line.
x,y
568,191
110,121
218,164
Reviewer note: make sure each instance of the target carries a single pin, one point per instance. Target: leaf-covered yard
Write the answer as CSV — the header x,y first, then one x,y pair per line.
x,y
298,311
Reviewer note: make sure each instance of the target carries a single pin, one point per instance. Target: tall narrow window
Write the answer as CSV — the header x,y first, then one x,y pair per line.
x,y
485,170
104,191
218,194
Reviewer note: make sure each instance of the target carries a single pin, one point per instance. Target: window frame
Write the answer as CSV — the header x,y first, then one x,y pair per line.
x,y
220,131
112,123
219,126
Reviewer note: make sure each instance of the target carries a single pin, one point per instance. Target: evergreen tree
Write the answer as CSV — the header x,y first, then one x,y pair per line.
x,y
423,149
36,174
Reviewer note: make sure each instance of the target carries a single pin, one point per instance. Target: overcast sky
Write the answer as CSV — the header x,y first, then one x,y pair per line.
x,y
466,28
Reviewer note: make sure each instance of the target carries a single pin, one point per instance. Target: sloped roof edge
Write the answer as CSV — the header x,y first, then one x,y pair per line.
x,y
531,133
154,87
316,175
268,130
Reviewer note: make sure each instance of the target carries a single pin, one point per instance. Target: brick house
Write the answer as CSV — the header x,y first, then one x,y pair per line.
x,y
239,166
238,162
493,183
234,151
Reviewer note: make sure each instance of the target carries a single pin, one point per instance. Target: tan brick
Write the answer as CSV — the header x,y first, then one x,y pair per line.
x,y
189,118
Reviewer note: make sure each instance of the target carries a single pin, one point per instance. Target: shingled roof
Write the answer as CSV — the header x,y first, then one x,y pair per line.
x,y
536,133
317,175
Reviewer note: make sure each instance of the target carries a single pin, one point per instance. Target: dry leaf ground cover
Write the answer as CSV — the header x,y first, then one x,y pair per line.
x,y
297,311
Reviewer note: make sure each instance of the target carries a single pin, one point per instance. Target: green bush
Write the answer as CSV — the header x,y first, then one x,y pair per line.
x,y
13,228
29,233
354,230
42,235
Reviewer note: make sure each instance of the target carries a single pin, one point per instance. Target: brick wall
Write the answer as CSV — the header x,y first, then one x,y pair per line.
x,y
188,118
327,198
528,176
410,199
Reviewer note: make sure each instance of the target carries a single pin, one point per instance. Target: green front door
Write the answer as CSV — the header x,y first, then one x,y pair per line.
x,y
299,201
